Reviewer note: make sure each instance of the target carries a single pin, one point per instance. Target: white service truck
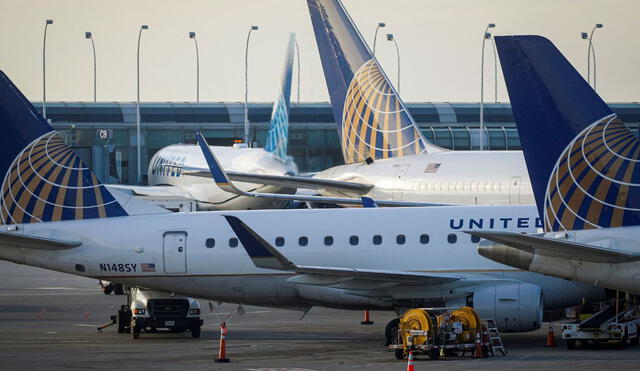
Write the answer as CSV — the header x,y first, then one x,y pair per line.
x,y
613,324
152,311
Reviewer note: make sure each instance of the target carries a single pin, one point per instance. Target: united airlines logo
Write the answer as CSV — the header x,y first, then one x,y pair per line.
x,y
592,182
375,122
48,182
167,166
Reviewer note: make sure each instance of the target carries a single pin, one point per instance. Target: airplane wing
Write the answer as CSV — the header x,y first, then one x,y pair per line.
x,y
289,181
156,191
558,248
223,181
266,256
33,242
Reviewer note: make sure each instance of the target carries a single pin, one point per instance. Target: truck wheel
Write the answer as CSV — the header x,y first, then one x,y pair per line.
x,y
399,353
571,344
434,354
195,332
122,320
635,340
135,332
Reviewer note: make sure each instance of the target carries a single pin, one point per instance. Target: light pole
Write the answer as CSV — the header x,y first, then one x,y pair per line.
x,y
391,38
44,69
591,51
143,27
298,56
495,70
375,38
192,35
485,36
88,35
246,87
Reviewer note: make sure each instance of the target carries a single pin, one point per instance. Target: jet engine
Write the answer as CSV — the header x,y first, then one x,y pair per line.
x,y
516,307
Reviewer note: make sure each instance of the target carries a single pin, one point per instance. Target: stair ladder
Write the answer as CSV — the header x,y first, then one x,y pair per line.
x,y
495,339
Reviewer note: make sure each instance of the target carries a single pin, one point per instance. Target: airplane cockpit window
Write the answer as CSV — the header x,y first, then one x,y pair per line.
x,y
475,239
303,241
279,241
210,242
353,240
401,239
233,242
452,238
328,240
424,239
377,239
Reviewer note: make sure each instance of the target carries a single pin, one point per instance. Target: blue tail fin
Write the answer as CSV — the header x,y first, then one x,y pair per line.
x,y
278,136
42,179
373,122
581,157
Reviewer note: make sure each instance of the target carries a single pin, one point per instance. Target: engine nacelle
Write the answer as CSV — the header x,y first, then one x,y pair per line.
x,y
516,307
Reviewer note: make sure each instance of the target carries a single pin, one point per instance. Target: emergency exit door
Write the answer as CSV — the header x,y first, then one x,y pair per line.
x,y
175,252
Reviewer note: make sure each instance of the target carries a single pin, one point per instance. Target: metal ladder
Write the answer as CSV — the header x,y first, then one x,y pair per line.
x,y
494,338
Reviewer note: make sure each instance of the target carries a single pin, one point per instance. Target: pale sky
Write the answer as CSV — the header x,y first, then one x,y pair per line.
x,y
439,40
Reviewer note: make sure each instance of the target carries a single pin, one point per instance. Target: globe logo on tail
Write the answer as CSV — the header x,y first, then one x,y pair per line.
x,y
48,182
592,182
376,123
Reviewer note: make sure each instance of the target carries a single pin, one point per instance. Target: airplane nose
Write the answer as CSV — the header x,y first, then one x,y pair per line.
x,y
505,254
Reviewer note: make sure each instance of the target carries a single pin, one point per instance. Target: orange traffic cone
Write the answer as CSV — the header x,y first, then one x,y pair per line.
x,y
222,353
410,362
551,341
478,353
366,320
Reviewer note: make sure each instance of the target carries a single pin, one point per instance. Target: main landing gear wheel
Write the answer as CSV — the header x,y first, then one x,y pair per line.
x,y
391,332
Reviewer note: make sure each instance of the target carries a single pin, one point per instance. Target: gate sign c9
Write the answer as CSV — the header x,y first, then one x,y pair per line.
x,y
105,134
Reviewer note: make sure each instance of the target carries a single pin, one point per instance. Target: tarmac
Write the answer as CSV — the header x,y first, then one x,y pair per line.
x,y
48,320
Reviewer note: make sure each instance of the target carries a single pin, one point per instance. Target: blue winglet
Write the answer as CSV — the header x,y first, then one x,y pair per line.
x,y
368,202
214,167
250,240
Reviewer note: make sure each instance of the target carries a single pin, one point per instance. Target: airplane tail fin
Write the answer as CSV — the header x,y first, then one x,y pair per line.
x,y
42,178
580,156
278,136
373,122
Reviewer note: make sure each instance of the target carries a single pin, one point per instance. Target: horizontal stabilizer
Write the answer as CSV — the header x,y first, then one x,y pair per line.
x,y
33,242
556,248
264,255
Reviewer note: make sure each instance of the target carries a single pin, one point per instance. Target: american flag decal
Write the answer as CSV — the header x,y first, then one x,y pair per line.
x,y
432,167
150,267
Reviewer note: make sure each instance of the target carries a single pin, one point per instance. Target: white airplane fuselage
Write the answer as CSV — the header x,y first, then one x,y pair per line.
x,y
447,177
169,165
141,251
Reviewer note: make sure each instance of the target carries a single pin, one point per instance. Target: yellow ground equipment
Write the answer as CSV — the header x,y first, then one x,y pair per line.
x,y
432,331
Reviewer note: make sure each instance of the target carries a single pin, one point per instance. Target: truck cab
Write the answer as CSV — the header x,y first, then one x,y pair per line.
x,y
154,311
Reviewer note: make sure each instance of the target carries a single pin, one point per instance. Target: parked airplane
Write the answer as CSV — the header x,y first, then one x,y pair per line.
x,y
173,170
582,162
55,214
381,143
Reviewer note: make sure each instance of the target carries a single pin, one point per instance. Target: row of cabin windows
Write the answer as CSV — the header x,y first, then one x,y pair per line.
x,y
353,240
458,186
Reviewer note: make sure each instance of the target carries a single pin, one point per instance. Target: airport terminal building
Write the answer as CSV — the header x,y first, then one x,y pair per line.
x,y
104,134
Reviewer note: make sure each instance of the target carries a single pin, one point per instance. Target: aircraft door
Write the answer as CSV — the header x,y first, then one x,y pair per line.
x,y
514,190
399,183
175,252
